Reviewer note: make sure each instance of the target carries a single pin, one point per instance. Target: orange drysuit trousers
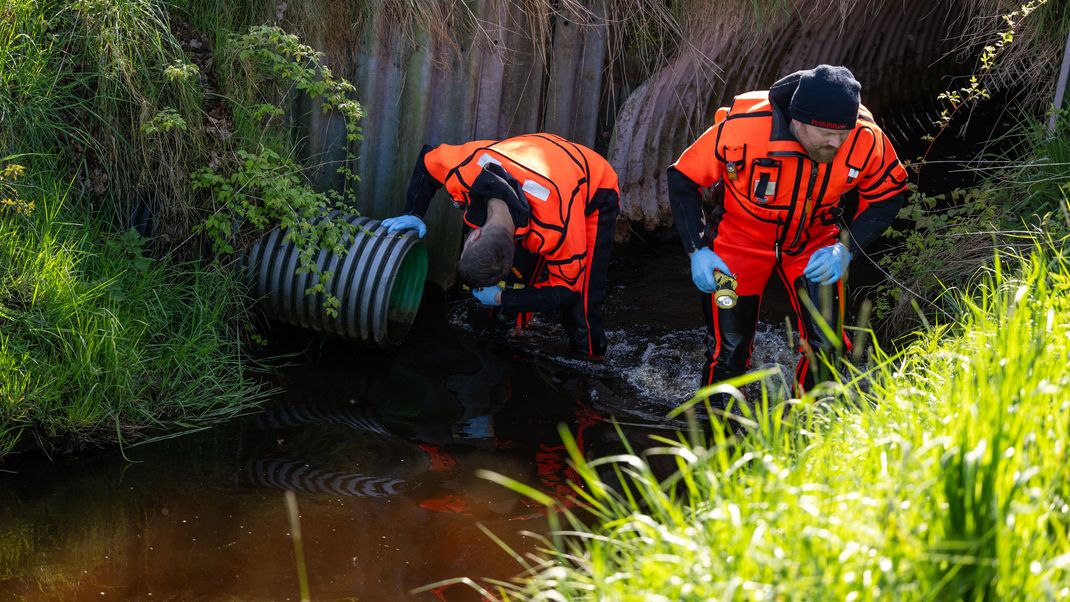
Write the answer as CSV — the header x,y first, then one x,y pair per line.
x,y
730,332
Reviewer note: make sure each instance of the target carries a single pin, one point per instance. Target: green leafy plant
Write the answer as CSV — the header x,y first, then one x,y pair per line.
x,y
282,64
946,237
179,71
9,194
165,120
259,188
130,246
974,92
263,190
950,235
99,340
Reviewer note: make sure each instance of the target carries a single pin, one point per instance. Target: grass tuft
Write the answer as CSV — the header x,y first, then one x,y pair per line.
x,y
97,335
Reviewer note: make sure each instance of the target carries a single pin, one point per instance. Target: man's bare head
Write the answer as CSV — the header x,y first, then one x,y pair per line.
x,y
487,255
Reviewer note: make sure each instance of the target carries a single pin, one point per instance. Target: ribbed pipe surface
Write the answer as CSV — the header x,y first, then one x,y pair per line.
x,y
379,282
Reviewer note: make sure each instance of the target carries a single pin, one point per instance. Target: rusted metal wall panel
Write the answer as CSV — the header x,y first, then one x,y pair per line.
x,y
574,87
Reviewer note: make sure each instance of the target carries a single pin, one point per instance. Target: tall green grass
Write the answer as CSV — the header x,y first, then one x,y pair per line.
x,y
98,86
117,108
98,340
940,475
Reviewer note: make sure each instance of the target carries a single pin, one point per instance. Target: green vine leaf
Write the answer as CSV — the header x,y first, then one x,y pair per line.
x,y
260,188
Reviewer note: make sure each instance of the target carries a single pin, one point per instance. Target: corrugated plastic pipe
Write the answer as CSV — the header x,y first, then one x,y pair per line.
x,y
379,282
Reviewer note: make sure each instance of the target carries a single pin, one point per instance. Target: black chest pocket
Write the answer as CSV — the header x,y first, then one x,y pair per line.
x,y
765,183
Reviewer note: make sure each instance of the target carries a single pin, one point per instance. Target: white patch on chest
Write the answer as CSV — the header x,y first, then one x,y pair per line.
x,y
770,190
534,189
485,158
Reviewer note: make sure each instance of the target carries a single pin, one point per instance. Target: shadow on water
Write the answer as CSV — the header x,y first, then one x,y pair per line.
x,y
382,451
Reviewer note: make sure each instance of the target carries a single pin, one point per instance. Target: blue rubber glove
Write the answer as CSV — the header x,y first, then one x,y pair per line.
x,y
828,264
703,263
488,295
401,223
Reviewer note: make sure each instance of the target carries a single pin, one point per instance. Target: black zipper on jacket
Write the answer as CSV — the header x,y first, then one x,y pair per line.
x,y
784,229
807,203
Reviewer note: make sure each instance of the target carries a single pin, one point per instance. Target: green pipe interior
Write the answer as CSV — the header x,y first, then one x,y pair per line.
x,y
408,286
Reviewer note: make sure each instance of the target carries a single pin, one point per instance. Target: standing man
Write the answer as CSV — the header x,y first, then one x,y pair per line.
x,y
553,198
782,160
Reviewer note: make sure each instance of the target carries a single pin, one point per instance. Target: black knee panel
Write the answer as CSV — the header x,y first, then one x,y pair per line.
x,y
826,300
730,335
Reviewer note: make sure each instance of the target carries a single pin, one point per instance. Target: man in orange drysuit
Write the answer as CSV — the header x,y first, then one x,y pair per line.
x,y
781,161
562,200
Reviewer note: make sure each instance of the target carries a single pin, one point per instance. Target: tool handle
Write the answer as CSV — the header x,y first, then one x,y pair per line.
x,y
512,286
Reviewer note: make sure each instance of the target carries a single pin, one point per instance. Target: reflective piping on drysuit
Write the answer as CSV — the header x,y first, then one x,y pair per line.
x,y
715,317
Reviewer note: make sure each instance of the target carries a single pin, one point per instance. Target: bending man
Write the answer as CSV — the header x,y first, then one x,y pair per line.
x,y
556,199
782,160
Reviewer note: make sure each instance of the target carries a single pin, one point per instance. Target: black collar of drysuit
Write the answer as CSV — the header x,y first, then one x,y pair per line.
x,y
780,94
476,212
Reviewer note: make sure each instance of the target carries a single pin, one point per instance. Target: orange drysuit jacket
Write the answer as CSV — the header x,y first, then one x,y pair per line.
x,y
557,179
775,195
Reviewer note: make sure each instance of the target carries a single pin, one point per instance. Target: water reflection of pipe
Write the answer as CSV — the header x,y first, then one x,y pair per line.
x,y
358,418
296,475
379,282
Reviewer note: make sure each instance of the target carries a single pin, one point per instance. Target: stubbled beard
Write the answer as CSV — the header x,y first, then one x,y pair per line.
x,y
823,155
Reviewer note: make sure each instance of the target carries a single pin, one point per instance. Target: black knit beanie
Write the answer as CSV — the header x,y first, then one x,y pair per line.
x,y
827,97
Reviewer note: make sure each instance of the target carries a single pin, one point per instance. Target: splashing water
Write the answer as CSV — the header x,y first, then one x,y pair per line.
x,y
645,373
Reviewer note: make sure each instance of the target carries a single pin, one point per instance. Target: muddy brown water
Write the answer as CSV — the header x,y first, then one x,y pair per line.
x,y
381,450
